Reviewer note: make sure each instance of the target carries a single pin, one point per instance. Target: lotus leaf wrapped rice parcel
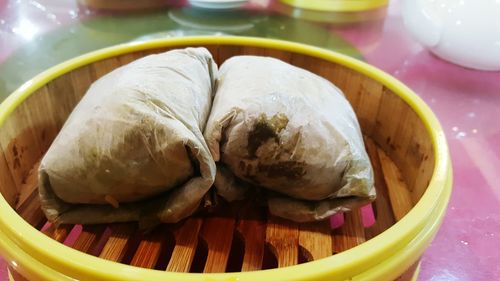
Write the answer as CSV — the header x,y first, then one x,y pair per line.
x,y
133,148
291,133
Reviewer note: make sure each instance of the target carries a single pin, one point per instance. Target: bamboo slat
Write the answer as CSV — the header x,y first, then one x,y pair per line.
x,y
186,241
88,238
398,192
148,251
118,242
218,234
283,237
350,234
315,239
384,216
252,226
58,233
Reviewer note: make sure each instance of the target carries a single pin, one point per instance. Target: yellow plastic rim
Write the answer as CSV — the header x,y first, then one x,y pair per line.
x,y
383,257
336,5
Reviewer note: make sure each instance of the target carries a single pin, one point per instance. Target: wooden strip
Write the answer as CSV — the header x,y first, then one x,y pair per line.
x,y
31,211
81,79
350,234
218,234
29,186
254,236
8,187
421,150
368,103
255,51
315,238
149,248
19,146
279,54
89,237
186,241
252,227
59,233
103,67
118,242
28,205
38,111
349,81
398,192
227,51
416,161
425,171
214,50
386,128
129,57
384,218
64,94
410,146
283,237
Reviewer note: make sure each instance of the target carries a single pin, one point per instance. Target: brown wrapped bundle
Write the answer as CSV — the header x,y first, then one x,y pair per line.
x,y
291,133
133,148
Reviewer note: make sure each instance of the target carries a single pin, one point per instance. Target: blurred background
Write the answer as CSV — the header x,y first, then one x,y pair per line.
x,y
38,34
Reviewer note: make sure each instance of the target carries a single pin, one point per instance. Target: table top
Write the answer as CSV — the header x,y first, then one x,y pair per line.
x,y
37,34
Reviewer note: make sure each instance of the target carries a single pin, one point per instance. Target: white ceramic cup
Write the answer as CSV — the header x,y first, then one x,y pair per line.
x,y
465,32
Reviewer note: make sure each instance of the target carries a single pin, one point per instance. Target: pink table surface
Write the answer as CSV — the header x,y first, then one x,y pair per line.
x,y
467,103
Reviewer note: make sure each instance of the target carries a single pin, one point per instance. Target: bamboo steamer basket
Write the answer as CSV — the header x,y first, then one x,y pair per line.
x,y
405,142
